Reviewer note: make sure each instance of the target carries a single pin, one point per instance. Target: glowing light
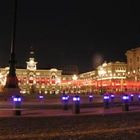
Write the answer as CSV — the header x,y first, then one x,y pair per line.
x,y
112,95
76,98
90,96
23,91
41,97
16,99
120,70
101,72
58,80
64,98
106,97
54,69
125,97
74,77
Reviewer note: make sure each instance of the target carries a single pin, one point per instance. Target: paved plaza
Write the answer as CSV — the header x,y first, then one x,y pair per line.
x,y
55,107
47,120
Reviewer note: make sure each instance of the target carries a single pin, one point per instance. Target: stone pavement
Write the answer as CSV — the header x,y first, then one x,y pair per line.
x,y
36,112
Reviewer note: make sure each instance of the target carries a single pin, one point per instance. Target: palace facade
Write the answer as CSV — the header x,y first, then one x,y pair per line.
x,y
108,77
133,64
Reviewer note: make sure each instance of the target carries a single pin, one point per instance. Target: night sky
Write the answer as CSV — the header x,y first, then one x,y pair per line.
x,y
70,32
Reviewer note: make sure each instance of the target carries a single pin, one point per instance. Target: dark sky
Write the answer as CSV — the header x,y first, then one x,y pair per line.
x,y
70,32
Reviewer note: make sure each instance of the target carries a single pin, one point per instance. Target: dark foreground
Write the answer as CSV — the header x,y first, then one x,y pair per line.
x,y
125,126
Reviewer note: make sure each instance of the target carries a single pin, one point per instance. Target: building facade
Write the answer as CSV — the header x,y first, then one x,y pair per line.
x,y
133,64
108,77
112,76
33,80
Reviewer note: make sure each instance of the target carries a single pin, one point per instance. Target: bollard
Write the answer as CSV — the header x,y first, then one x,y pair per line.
x,y
106,101
65,99
112,96
17,105
76,104
138,97
131,97
41,98
90,98
125,106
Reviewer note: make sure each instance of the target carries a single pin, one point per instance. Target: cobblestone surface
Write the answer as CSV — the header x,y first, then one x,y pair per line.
x,y
106,127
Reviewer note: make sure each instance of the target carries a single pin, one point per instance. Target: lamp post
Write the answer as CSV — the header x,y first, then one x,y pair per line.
x,y
12,81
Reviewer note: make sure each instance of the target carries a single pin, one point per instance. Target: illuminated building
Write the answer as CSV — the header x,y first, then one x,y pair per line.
x,y
133,68
88,82
112,70
107,77
33,80
112,76
133,63
88,75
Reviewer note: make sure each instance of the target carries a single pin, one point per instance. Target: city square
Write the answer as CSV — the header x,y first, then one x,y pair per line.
x,y
73,72
48,119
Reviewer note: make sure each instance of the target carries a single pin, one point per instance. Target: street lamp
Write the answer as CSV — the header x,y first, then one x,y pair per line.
x,y
12,81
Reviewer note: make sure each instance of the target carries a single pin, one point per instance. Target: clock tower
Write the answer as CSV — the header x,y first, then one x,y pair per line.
x,y
31,64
